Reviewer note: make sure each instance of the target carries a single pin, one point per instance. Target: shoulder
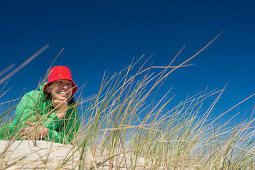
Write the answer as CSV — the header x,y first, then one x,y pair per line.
x,y
33,95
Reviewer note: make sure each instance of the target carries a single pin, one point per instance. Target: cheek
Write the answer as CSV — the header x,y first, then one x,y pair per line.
x,y
70,95
54,92
54,95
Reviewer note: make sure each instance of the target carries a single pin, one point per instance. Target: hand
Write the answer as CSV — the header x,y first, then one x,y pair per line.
x,y
34,131
61,106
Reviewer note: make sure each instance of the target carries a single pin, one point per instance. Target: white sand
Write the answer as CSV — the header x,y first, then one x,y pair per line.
x,y
36,156
48,155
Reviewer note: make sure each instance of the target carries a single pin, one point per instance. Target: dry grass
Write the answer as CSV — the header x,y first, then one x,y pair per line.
x,y
122,128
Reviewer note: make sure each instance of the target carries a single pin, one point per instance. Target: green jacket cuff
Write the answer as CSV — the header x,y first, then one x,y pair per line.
x,y
54,136
52,122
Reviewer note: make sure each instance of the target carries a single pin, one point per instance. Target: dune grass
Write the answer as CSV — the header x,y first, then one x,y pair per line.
x,y
124,129
126,126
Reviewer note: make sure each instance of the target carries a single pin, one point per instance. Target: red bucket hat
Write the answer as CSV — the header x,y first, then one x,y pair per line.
x,y
58,73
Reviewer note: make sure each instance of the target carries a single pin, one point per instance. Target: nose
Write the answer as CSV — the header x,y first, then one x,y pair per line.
x,y
65,86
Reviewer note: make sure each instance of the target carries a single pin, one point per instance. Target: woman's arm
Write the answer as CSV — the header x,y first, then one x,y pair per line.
x,y
28,112
27,109
71,124
68,130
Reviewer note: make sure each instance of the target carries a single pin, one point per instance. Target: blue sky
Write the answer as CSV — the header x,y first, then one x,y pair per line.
x,y
99,36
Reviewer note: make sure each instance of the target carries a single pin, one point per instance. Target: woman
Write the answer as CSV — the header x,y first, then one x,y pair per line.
x,y
50,113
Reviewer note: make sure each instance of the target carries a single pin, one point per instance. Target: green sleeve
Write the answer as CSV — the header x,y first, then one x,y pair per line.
x,y
30,110
52,121
27,110
68,130
55,136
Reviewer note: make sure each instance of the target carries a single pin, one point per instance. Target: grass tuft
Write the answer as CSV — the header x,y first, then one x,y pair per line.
x,y
123,127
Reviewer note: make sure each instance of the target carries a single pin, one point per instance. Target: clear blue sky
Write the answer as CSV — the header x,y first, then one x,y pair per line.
x,y
100,36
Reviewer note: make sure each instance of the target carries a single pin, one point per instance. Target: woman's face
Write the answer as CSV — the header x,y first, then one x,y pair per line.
x,y
61,90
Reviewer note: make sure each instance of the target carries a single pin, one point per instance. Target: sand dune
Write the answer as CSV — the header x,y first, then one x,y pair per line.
x,y
47,155
25,155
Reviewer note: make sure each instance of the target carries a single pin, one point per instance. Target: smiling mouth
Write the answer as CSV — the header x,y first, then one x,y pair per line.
x,y
65,93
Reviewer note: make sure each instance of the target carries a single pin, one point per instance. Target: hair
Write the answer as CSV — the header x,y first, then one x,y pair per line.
x,y
48,96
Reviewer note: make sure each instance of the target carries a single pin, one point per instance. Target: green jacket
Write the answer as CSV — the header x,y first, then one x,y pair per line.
x,y
34,108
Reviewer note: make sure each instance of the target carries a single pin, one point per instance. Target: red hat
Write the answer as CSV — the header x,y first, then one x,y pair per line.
x,y
58,73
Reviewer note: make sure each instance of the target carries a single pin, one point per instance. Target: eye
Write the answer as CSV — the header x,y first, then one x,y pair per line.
x,y
60,82
69,84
